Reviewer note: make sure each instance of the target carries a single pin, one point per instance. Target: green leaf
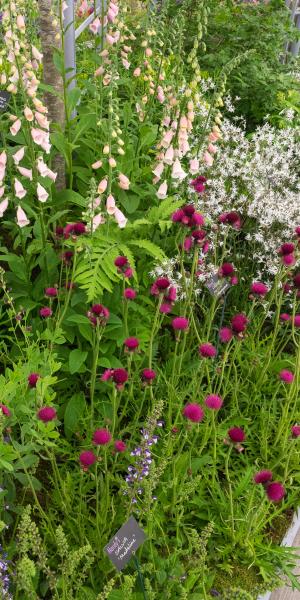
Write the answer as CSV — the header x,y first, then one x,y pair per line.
x,y
76,359
16,264
150,248
59,61
73,413
70,197
6,465
73,98
78,320
23,479
148,134
26,462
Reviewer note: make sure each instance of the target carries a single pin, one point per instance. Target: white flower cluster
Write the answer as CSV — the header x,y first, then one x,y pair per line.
x,y
258,176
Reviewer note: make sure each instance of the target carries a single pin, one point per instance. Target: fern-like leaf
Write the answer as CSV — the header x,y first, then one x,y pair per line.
x,y
150,248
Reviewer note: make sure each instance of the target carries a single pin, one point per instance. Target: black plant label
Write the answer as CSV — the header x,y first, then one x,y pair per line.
x,y
124,543
217,286
4,99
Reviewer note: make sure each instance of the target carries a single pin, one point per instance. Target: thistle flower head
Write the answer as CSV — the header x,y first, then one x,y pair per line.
x,y
87,458
193,412
296,321
51,292
225,335
285,317
148,375
295,429
286,248
226,270
207,350
120,446
236,434
239,323
180,323
231,218
45,312
199,184
275,491
5,410
129,294
213,402
101,437
259,289
32,379
263,477
131,344
120,376
46,414
286,376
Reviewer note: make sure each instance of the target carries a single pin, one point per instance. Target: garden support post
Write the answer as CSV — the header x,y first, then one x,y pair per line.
x,y
294,6
70,44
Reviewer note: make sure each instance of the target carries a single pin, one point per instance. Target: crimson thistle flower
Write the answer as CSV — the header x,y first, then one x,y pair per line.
x,y
231,218
123,266
119,377
207,350
236,434
98,315
101,437
295,429
148,376
180,324
46,414
263,477
33,379
285,317
213,402
275,491
296,321
51,292
286,376
129,294
193,412
226,270
239,323
259,289
199,184
87,458
5,410
120,446
45,312
225,335
131,344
